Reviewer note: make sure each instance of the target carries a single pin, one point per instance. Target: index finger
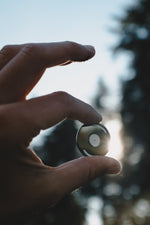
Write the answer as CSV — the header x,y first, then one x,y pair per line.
x,y
22,72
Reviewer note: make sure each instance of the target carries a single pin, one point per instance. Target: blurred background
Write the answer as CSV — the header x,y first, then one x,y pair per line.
x,y
116,82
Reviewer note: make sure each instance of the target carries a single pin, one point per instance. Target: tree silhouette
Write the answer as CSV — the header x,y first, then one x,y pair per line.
x,y
129,194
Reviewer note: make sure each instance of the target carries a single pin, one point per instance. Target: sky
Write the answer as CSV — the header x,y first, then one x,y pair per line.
x,y
82,21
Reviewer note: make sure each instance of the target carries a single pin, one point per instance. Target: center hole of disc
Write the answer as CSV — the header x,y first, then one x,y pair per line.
x,y
94,140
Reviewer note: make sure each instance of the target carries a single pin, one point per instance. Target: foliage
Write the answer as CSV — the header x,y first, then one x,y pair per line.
x,y
129,194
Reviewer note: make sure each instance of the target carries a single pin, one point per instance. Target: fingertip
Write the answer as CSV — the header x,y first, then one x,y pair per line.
x,y
91,50
114,166
99,165
97,118
100,117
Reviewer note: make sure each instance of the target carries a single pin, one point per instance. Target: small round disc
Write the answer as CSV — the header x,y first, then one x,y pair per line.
x,y
93,139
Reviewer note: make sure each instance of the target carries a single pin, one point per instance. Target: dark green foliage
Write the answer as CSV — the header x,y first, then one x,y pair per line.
x,y
134,184
101,93
136,91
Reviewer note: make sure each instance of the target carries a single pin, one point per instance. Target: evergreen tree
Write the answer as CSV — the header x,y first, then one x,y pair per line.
x,y
125,197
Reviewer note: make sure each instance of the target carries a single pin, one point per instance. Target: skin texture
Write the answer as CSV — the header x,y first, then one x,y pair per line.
x,y
26,183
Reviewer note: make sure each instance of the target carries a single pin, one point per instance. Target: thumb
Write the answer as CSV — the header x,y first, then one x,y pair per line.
x,y
73,174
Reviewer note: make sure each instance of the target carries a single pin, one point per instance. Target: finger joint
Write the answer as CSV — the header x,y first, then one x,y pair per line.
x,y
5,54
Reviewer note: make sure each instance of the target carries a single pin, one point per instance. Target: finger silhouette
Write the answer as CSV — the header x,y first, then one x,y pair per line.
x,y
21,73
21,121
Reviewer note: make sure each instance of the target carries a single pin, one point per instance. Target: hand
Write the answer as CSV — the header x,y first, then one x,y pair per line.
x,y
26,183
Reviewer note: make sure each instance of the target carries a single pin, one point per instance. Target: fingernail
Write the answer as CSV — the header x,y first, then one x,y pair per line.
x,y
115,169
91,49
99,117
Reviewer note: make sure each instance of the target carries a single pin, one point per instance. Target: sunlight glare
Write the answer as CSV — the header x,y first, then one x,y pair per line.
x,y
115,146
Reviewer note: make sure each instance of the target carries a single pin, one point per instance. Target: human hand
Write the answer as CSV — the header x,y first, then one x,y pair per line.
x,y
26,183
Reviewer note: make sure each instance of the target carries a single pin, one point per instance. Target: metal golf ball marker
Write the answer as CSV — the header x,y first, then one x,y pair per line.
x,y
93,139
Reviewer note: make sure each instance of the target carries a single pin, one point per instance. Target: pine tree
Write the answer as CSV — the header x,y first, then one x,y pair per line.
x,y
133,189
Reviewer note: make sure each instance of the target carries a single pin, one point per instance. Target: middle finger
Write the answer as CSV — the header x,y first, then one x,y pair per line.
x,y
22,72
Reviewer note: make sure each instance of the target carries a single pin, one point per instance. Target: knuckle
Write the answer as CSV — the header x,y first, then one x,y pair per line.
x,y
72,44
90,168
10,132
30,50
6,49
72,48
5,54
65,100
75,50
62,97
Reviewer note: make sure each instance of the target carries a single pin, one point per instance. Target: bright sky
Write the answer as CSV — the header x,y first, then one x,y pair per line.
x,y
83,21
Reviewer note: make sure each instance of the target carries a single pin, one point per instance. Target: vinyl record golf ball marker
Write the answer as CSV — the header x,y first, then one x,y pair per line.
x,y
93,139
